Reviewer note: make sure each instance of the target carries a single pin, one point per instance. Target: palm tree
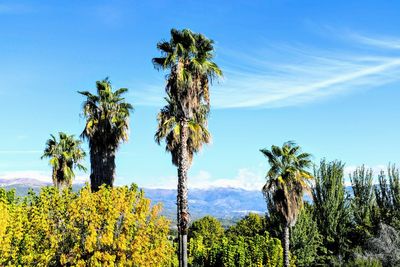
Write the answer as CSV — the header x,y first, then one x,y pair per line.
x,y
286,184
65,154
107,124
188,56
169,130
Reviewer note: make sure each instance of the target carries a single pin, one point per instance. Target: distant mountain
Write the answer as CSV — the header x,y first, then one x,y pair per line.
x,y
223,203
22,181
22,185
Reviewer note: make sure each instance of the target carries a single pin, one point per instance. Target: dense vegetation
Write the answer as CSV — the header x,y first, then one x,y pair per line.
x,y
245,244
340,227
112,227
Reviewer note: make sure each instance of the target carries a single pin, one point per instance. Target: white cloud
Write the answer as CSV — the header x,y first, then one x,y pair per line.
x,y
376,170
381,42
245,179
294,74
38,175
307,76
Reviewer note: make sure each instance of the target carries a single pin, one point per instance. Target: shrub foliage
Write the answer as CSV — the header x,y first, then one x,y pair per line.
x,y
112,227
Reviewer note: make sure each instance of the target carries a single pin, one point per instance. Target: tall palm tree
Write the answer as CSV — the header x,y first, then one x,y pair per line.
x,y
188,57
107,125
65,154
169,130
286,184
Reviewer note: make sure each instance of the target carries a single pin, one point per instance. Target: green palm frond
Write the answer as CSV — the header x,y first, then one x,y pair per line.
x,y
287,178
189,57
107,116
169,130
64,153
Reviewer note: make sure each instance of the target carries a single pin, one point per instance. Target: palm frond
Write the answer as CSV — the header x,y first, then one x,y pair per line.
x,y
287,179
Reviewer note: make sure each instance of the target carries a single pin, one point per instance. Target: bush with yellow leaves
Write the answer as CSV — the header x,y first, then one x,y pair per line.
x,y
112,227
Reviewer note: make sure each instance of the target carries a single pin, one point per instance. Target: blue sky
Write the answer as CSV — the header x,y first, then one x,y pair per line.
x,y
323,73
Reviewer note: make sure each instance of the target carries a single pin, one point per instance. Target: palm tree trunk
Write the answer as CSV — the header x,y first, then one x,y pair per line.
x,y
183,212
178,226
54,177
59,177
102,168
286,252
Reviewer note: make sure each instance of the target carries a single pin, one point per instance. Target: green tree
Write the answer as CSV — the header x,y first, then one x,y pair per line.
x,y
65,154
305,238
204,235
331,209
209,228
107,124
251,225
286,185
387,194
188,56
248,251
363,205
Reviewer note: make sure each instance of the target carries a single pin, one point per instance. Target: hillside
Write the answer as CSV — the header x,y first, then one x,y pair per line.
x,y
223,203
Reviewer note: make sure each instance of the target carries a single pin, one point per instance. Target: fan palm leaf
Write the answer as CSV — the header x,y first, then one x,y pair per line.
x,y
65,154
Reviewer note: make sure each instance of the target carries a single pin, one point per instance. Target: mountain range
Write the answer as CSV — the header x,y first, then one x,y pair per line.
x,y
227,204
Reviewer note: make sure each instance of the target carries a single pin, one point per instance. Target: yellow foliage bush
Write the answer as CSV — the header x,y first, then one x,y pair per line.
x,y
112,227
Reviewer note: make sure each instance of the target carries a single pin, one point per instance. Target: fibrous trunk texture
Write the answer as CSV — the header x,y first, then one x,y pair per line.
x,y
102,168
58,177
182,198
286,253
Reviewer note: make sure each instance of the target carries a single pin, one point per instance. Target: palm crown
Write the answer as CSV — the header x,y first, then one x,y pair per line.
x,y
107,116
287,179
189,57
107,125
65,154
169,129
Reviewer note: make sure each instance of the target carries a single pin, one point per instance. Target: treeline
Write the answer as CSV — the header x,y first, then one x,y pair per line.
x,y
341,226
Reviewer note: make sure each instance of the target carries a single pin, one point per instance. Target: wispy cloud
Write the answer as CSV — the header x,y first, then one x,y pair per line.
x,y
303,75
376,170
294,74
38,175
245,179
31,174
382,42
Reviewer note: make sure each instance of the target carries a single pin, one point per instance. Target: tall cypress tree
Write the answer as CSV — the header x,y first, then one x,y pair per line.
x,y
363,205
305,238
387,194
331,209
